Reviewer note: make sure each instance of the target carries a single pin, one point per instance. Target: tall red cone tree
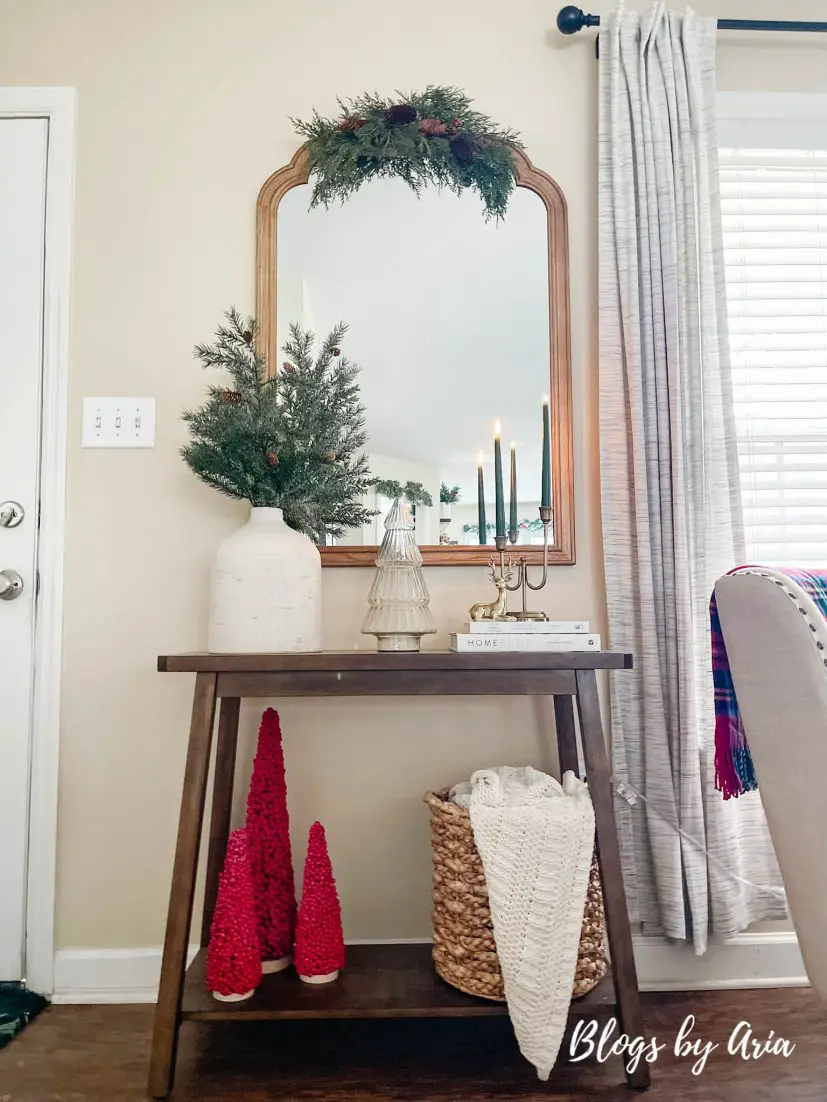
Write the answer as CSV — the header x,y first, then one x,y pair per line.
x,y
234,955
320,946
268,830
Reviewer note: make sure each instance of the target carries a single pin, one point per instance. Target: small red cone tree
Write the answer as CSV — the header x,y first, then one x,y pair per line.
x,y
320,947
234,955
268,830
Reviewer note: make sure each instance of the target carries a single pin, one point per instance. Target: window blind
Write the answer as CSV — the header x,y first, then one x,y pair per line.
x,y
774,210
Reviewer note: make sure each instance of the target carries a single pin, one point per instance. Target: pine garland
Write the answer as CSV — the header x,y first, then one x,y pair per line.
x,y
525,524
294,441
413,492
430,137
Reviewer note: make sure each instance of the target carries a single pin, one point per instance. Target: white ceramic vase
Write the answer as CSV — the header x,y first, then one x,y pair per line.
x,y
265,589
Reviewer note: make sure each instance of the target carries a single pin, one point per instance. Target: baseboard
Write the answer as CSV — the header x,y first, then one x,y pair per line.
x,y
770,959
108,975
747,960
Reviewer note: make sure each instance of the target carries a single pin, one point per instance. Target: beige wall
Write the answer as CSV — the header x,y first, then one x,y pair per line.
x,y
183,112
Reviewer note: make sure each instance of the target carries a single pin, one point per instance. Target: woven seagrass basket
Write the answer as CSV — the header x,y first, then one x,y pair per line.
x,y
465,954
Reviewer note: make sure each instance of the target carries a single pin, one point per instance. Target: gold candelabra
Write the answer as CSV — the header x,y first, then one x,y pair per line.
x,y
523,583
504,574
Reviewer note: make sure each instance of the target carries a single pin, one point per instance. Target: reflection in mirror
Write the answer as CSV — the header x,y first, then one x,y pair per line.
x,y
449,319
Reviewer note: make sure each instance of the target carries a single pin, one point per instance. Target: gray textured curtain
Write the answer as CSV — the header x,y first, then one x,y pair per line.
x,y
669,473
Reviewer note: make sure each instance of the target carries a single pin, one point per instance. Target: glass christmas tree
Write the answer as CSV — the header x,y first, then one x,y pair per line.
x,y
398,613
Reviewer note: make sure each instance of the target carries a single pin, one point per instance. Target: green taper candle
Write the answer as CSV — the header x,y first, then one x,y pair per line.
x,y
482,522
512,516
499,496
545,489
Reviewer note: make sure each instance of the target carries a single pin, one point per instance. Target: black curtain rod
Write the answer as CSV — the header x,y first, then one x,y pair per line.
x,y
571,20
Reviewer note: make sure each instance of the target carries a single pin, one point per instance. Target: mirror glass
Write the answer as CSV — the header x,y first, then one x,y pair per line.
x,y
448,318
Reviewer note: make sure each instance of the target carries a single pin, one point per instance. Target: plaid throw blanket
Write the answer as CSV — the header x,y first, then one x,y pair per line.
x,y
734,771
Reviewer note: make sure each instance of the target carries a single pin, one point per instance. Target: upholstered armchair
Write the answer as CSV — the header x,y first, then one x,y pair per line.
x,y
776,642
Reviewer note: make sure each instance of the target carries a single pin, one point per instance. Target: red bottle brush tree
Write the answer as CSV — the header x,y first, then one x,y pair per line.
x,y
271,862
234,954
320,946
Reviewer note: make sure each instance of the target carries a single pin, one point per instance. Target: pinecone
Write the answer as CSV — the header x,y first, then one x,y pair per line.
x,y
351,123
248,336
287,366
433,128
462,149
332,457
272,459
230,397
336,350
400,114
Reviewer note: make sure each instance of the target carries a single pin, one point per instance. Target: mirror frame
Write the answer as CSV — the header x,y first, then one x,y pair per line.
x,y
561,552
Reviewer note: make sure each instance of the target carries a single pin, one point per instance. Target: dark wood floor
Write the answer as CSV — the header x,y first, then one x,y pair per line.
x,y
100,1054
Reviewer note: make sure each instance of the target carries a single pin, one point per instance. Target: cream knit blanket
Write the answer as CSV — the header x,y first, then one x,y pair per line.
x,y
536,838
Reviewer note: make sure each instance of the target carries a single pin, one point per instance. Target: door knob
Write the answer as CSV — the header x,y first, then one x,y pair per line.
x,y
11,585
11,514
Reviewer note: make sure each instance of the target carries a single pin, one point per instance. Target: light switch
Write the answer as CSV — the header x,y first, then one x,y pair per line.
x,y
118,423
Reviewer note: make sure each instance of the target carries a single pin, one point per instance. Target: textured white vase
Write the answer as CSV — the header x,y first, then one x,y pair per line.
x,y
265,589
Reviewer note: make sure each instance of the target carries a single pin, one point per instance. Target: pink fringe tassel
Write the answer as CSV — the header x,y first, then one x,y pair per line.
x,y
727,780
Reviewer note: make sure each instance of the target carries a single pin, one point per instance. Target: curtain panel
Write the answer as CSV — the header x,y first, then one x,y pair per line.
x,y
671,505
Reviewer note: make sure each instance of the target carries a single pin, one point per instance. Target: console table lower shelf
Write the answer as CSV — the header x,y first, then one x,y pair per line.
x,y
378,981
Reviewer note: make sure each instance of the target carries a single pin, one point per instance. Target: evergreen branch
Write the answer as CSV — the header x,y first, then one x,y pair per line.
x,y
293,441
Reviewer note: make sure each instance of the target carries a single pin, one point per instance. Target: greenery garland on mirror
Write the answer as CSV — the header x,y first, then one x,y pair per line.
x,y
430,137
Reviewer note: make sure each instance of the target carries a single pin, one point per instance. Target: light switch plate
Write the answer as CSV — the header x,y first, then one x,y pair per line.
x,y
118,423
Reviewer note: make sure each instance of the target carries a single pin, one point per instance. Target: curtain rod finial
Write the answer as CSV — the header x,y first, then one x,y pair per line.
x,y
570,20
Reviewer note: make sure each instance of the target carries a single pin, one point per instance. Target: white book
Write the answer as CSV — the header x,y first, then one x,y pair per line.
x,y
529,627
482,644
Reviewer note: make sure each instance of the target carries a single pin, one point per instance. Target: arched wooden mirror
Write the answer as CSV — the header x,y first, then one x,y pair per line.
x,y
455,321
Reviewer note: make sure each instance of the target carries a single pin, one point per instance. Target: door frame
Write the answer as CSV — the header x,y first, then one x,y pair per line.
x,y
58,107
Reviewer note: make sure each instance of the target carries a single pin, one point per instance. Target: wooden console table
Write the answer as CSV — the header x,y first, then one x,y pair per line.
x,y
384,981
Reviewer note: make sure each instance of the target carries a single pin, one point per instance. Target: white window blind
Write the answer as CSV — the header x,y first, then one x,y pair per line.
x,y
774,209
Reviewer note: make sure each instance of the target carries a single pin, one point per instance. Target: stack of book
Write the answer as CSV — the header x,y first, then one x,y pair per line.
x,y
525,635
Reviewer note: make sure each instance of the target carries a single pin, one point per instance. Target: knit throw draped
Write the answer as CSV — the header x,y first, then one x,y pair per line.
x,y
734,770
536,838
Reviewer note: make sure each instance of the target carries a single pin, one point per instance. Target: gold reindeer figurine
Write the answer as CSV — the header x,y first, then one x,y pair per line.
x,y
496,610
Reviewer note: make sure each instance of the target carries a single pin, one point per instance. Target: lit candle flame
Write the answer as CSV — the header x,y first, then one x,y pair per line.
x,y
545,399
513,446
497,430
480,458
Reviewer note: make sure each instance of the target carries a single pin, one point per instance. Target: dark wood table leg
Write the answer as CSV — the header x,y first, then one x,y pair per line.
x,y
566,735
222,806
614,895
173,966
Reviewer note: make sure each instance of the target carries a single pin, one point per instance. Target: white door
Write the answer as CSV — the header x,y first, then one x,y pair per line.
x,y
23,162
